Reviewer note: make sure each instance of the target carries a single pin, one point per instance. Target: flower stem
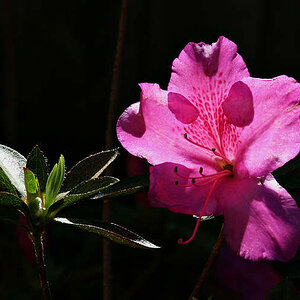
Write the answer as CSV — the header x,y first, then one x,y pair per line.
x,y
37,240
111,121
209,264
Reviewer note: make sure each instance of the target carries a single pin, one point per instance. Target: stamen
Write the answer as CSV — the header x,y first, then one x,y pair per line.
x,y
206,148
212,176
180,241
204,181
184,185
191,141
217,174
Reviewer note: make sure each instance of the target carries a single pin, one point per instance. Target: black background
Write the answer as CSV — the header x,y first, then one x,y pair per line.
x,y
56,60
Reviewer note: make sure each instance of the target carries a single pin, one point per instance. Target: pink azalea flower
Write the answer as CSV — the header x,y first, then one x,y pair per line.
x,y
213,138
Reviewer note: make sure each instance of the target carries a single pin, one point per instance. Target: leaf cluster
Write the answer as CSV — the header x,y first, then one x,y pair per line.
x,y
27,186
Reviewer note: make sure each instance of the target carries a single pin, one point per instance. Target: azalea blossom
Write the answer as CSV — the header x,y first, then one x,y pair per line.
x,y
213,138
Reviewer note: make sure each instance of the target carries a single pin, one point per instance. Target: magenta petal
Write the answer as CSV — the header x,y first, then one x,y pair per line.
x,y
164,192
206,55
206,72
253,280
262,221
150,130
238,106
273,137
132,116
182,108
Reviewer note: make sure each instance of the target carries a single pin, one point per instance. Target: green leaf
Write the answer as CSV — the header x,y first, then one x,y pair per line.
x,y
125,187
30,182
206,218
36,162
35,207
90,167
13,201
83,190
5,184
12,164
54,181
111,231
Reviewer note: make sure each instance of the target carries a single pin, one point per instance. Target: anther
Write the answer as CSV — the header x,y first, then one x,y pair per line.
x,y
185,135
193,180
175,169
201,170
176,182
213,149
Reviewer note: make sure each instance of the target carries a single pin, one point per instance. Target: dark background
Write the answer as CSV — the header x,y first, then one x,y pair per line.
x,y
56,60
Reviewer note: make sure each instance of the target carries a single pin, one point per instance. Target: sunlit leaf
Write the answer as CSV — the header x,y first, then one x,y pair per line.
x,y
111,231
90,167
54,181
36,162
12,163
5,184
125,187
30,182
83,190
13,201
205,218
35,207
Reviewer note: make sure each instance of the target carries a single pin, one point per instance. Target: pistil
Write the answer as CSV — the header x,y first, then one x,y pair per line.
x,y
201,181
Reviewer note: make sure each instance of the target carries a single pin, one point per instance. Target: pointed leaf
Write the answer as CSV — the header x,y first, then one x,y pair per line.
x,y
205,218
5,184
83,190
35,207
36,162
125,187
111,231
30,182
13,201
12,163
90,167
54,181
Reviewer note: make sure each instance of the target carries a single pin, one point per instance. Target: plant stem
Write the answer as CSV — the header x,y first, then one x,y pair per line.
x,y
37,240
107,272
209,264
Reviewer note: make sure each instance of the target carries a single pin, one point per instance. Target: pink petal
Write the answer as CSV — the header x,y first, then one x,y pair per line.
x,y
238,106
206,72
150,130
253,280
164,192
273,137
182,108
262,221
